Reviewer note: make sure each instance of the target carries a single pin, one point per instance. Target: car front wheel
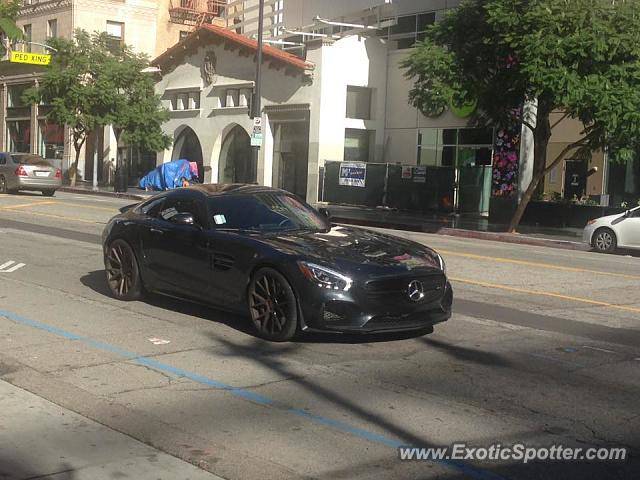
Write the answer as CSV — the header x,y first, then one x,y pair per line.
x,y
272,305
604,240
123,273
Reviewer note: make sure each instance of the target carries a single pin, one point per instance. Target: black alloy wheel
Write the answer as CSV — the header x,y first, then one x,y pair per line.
x,y
123,274
272,305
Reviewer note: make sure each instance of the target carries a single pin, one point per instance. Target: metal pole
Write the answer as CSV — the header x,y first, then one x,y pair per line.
x,y
257,103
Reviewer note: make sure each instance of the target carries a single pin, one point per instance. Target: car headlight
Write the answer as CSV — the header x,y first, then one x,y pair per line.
x,y
443,266
325,277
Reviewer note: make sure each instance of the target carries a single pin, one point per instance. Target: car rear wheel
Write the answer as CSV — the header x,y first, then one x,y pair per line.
x,y
604,240
272,305
48,193
3,185
123,273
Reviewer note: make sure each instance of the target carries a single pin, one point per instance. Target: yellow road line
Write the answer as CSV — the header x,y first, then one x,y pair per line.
x,y
536,264
546,294
25,205
114,210
49,215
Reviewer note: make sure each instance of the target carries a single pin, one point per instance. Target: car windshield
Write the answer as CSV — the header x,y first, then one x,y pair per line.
x,y
29,160
264,212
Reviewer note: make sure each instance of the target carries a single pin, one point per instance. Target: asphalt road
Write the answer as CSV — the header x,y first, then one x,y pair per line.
x,y
543,349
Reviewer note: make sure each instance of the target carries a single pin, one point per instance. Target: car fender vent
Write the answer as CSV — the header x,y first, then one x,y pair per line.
x,y
222,261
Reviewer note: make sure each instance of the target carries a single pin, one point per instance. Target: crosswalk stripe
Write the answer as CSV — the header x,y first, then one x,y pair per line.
x,y
14,268
5,265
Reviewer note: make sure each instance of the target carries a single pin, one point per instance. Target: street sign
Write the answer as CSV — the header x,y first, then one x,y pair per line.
x,y
256,134
352,174
31,58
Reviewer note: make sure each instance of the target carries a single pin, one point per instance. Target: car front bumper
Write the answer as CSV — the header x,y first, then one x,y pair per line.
x,y
359,311
587,234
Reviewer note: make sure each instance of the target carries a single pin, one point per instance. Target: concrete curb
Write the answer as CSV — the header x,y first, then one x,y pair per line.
x,y
461,233
101,193
514,238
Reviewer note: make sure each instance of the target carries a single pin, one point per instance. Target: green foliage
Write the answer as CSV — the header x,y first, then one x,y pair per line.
x,y
581,56
578,56
90,85
8,13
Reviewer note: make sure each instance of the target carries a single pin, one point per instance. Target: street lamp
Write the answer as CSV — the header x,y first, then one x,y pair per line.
x,y
257,99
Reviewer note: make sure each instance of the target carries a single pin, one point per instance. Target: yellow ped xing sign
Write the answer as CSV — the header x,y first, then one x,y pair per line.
x,y
32,58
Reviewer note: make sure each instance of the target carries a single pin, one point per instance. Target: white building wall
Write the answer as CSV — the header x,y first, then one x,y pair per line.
x,y
403,120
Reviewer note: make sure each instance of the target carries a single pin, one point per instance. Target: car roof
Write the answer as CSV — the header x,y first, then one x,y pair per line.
x,y
216,189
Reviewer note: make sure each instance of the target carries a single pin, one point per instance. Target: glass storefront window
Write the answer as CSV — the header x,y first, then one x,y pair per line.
x,y
50,140
14,95
19,135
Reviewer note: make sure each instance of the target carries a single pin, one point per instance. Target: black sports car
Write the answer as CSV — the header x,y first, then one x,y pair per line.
x,y
248,248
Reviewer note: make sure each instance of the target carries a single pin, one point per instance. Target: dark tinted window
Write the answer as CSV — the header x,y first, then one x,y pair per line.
x,y
3,159
264,212
151,207
174,205
30,160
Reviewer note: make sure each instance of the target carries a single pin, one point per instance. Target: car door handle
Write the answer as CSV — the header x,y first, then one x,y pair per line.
x,y
156,230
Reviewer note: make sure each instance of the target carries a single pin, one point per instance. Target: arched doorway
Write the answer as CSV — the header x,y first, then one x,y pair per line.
x,y
236,157
187,146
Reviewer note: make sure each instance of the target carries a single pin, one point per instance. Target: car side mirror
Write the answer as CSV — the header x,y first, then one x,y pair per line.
x,y
183,219
325,213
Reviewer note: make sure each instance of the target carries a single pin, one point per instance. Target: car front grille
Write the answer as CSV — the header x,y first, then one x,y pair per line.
x,y
396,288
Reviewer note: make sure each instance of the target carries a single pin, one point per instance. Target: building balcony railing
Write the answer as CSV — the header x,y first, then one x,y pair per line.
x,y
195,12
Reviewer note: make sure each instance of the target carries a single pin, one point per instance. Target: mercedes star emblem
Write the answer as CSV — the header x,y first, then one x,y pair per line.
x,y
416,291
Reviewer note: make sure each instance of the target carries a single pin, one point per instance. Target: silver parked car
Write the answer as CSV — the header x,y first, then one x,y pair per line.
x,y
25,171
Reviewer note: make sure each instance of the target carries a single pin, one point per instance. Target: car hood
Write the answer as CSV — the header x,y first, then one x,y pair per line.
x,y
356,250
610,219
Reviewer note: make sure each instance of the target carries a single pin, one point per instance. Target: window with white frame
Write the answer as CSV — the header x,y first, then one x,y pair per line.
x,y
358,102
115,33
52,28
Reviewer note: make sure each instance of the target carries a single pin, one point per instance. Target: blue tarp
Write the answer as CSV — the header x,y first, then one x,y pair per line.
x,y
167,176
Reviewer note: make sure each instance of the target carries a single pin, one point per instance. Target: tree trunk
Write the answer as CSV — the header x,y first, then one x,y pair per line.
x,y
74,170
541,136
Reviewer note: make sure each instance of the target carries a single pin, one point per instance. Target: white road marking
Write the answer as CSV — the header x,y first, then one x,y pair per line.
x,y
598,349
8,268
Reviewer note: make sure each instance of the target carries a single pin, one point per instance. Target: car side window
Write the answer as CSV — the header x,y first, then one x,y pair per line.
x,y
175,206
3,159
153,207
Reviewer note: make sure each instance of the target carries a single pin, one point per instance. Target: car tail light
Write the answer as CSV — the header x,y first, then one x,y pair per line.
x,y
58,173
21,172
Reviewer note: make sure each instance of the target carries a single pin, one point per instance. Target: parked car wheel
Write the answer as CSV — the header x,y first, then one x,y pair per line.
x,y
123,272
272,305
604,240
3,185
48,193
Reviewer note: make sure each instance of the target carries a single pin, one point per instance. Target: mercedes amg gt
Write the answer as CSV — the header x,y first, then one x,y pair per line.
x,y
265,253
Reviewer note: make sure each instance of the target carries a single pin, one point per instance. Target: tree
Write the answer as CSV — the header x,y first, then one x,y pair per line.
x,y
90,85
580,57
8,28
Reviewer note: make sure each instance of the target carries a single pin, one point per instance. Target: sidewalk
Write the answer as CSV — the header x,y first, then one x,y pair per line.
x,y
456,226
451,225
40,439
